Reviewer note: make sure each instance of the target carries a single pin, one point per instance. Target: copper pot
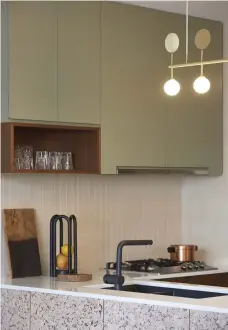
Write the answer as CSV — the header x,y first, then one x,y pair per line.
x,y
183,253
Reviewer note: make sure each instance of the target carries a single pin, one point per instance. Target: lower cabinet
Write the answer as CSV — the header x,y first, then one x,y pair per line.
x,y
50,311
200,320
128,316
15,309
24,310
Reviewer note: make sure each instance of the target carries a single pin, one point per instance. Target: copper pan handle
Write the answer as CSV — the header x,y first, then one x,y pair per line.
x,y
171,249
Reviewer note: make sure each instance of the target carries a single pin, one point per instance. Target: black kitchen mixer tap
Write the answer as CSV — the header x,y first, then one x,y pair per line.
x,y
117,279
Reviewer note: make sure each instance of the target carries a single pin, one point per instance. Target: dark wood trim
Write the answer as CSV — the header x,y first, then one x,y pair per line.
x,y
217,279
6,147
99,150
12,165
83,142
55,172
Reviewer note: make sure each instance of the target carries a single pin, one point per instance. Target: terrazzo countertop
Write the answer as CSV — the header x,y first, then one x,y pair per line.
x,y
97,289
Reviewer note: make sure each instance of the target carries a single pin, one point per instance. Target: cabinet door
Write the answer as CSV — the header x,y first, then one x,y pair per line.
x,y
79,62
194,122
132,98
33,60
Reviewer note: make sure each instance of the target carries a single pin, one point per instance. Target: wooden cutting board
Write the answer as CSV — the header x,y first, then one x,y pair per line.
x,y
22,242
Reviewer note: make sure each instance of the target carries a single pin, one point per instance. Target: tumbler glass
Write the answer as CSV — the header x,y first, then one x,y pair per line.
x,y
55,160
23,157
41,160
67,161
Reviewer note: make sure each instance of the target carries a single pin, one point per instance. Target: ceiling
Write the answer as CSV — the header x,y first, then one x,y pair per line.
x,y
217,10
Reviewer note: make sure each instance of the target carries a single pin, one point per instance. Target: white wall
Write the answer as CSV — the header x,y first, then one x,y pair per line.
x,y
108,208
205,201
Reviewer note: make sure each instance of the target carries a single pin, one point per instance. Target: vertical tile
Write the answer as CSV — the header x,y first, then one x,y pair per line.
x,y
62,312
109,208
15,310
128,316
208,321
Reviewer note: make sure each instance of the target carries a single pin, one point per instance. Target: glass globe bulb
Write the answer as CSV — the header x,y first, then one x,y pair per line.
x,y
172,87
201,85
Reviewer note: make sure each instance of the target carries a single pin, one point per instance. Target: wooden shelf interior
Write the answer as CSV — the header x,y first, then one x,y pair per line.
x,y
84,143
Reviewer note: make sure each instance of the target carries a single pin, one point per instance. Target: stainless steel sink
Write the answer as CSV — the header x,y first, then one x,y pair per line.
x,y
175,292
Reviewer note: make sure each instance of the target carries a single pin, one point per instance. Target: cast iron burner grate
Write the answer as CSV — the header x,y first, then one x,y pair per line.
x,y
160,265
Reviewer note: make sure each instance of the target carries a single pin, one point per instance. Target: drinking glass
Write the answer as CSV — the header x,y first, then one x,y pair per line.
x,y
51,160
27,156
17,157
55,160
41,160
67,161
58,161
23,157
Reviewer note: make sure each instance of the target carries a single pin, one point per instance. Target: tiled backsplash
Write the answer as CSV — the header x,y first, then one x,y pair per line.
x,y
108,209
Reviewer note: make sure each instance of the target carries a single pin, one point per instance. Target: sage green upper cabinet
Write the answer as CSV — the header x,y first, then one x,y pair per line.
x,y
32,47
141,125
132,129
54,61
79,61
194,122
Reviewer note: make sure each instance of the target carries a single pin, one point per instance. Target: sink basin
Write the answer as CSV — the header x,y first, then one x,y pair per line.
x,y
218,279
168,291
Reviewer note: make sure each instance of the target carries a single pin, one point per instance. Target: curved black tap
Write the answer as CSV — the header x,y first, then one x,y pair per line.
x,y
118,280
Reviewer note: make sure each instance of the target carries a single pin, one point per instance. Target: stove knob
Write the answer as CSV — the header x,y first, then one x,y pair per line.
x,y
202,266
111,266
142,268
125,266
190,266
196,267
184,267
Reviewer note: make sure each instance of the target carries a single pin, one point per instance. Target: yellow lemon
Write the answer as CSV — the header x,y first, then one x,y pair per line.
x,y
64,250
61,261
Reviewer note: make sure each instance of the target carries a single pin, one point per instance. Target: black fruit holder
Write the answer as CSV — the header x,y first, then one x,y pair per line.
x,y
72,236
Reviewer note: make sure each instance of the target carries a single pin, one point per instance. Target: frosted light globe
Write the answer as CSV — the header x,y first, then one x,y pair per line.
x,y
201,85
172,87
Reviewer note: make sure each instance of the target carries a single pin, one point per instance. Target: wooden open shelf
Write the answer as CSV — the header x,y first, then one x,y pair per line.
x,y
56,171
83,142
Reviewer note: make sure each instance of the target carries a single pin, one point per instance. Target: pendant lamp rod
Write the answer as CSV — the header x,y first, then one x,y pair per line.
x,y
201,59
171,65
185,65
186,31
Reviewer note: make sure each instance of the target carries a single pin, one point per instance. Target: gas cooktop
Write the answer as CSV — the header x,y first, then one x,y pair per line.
x,y
161,266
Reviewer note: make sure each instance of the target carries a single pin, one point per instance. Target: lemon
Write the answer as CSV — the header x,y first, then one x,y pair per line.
x,y
64,250
61,261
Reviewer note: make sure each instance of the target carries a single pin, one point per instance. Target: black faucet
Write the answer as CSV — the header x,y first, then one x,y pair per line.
x,y
117,279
